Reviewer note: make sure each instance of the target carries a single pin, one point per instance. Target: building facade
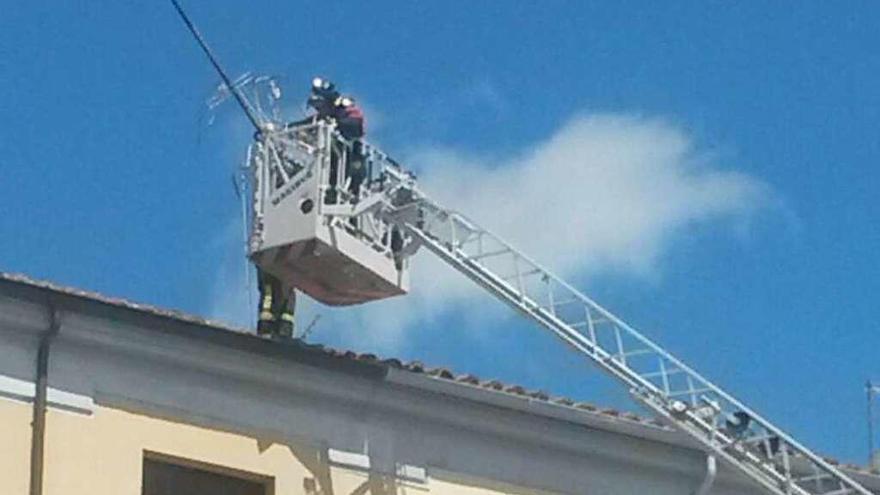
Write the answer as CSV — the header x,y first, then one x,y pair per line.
x,y
101,396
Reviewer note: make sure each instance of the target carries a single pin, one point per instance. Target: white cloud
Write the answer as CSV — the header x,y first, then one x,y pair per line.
x,y
605,193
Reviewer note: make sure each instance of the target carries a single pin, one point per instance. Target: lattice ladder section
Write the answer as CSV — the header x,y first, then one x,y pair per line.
x,y
661,382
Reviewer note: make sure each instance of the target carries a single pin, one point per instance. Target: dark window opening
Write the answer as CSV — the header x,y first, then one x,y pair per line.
x,y
181,477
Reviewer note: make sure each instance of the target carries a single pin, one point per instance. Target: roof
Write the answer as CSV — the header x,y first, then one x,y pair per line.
x,y
346,357
324,351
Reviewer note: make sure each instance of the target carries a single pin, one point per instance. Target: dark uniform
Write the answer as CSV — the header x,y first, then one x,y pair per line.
x,y
322,99
351,124
277,305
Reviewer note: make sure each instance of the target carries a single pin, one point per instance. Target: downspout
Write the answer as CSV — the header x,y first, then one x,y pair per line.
x,y
38,437
711,471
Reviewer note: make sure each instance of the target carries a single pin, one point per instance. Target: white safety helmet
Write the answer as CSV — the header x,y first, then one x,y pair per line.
x,y
345,101
321,84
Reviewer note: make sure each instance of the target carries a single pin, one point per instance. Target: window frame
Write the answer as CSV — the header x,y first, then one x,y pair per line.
x,y
266,481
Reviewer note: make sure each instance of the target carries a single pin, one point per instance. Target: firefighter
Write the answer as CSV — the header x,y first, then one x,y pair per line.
x,y
277,305
330,105
322,99
349,118
351,124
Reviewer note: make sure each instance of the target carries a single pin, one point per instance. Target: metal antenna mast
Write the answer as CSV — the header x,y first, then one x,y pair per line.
x,y
873,390
242,101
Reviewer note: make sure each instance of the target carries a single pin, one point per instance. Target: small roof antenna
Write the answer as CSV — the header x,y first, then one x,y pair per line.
x,y
310,327
873,390
242,101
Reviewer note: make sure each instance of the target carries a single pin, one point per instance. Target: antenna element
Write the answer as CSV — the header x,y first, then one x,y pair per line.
x,y
242,101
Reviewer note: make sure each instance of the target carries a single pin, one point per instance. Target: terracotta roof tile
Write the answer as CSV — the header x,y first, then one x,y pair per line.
x,y
415,366
585,406
470,379
441,373
493,384
563,401
540,395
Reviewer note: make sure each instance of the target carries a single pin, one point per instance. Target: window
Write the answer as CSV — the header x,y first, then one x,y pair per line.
x,y
165,475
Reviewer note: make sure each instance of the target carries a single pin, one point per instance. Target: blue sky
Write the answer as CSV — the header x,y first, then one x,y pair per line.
x,y
754,257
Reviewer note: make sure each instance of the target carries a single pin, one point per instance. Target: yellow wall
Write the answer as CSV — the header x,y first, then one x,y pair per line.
x,y
15,446
103,454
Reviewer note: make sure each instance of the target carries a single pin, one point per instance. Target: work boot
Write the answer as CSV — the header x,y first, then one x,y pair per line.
x,y
265,328
284,330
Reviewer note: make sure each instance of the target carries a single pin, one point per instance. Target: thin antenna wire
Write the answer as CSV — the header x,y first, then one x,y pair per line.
x,y
232,88
238,183
310,326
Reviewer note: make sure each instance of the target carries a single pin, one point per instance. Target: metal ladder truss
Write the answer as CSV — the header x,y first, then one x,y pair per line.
x,y
678,394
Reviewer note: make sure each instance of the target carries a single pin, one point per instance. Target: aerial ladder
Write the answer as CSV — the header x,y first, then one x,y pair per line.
x,y
352,247
680,396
